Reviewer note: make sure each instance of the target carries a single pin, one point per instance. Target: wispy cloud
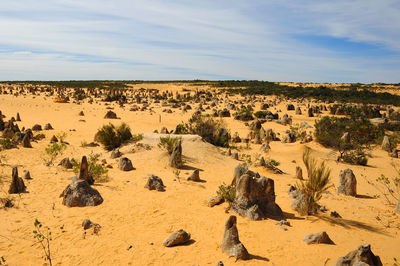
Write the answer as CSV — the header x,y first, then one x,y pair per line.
x,y
356,41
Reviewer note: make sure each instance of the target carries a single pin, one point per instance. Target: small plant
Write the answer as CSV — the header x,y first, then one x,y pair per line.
x,y
6,143
137,137
211,130
389,187
112,137
168,143
316,184
246,157
299,131
354,157
96,170
52,151
43,239
228,193
181,129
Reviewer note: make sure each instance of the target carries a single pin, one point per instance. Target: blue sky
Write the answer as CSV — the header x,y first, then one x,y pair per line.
x,y
274,40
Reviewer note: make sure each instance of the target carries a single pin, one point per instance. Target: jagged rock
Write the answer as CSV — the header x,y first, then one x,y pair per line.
x,y
48,127
255,197
347,183
231,244
299,173
125,164
361,256
115,154
84,171
175,159
17,183
27,175
386,144
87,224
310,112
110,115
37,127
66,163
177,238
26,142
216,200
235,155
155,183
53,139
80,194
318,238
164,130
195,176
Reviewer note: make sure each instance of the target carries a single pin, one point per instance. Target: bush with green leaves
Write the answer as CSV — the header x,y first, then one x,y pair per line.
x,y
168,143
112,137
354,157
311,189
261,114
43,238
388,187
299,131
245,114
6,143
211,130
228,193
52,151
96,170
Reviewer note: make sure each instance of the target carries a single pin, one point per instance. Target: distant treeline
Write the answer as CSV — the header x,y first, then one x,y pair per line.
x,y
355,93
352,94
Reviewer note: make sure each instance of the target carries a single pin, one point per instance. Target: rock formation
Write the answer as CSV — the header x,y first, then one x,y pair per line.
x,y
17,183
361,256
80,194
347,183
231,244
155,183
125,164
177,238
318,238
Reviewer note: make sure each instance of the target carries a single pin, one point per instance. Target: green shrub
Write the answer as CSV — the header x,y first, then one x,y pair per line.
x,y
245,114
355,157
52,151
96,170
181,129
299,131
316,184
211,130
168,143
228,193
112,137
6,143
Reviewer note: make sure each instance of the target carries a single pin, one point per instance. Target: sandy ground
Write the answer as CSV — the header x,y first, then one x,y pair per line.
x,y
133,216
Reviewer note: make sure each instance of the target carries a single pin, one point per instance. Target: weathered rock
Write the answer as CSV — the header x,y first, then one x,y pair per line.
x,y
81,113
66,163
310,112
48,127
175,159
155,183
125,164
290,107
289,138
115,154
110,115
318,238
235,155
87,224
347,183
164,130
53,139
255,197
386,144
177,238
298,111
27,175
238,172
216,200
37,127
17,183
84,171
299,173
231,244
361,256
26,142
195,176
80,194
18,117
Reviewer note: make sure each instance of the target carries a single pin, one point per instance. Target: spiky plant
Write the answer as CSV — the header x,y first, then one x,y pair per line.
x,y
317,183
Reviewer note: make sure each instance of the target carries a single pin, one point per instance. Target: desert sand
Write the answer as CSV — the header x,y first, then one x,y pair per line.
x,y
135,220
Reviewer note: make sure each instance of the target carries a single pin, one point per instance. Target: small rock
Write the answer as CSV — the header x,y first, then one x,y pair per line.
x,y
125,164
115,154
155,183
216,200
17,183
347,183
177,238
27,175
319,238
195,176
48,127
335,214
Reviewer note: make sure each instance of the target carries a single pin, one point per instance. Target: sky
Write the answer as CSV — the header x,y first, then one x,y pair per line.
x,y
273,40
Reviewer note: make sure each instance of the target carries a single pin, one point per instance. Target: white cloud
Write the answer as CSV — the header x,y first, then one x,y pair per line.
x,y
205,39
